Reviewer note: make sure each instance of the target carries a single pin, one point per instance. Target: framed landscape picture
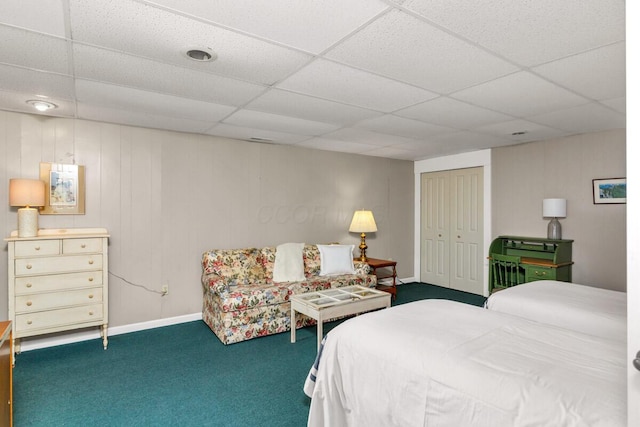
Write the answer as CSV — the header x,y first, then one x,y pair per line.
x,y
609,191
64,188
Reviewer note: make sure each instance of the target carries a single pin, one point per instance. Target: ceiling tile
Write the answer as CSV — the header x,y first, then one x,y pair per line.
x,y
326,79
367,137
114,67
520,94
335,145
581,119
597,74
400,126
310,25
32,50
257,135
43,16
36,82
391,152
532,131
15,101
407,49
277,123
119,97
452,113
135,118
147,31
308,107
618,104
529,32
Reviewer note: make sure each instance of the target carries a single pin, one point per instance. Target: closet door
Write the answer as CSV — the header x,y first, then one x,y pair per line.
x,y
466,255
451,231
434,233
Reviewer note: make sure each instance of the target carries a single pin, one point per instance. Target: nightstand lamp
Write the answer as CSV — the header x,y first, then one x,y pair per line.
x,y
554,209
26,193
363,222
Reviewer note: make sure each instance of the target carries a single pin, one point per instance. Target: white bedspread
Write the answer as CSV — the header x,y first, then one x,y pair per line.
x,y
441,363
580,308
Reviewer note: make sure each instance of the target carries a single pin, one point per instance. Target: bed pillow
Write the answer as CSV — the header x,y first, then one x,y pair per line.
x,y
288,266
336,259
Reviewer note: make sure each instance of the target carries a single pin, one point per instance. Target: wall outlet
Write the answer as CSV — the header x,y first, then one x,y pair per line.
x,y
165,290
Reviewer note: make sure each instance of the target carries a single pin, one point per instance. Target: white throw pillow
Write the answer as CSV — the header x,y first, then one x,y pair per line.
x,y
336,259
289,265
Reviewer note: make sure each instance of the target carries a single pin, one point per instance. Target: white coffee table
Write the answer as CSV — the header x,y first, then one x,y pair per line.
x,y
333,303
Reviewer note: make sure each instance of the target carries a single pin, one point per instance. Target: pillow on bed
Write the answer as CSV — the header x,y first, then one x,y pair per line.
x,y
288,266
336,259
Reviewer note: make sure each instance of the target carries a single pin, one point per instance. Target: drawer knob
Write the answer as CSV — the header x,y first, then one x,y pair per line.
x,y
90,296
29,266
29,322
91,279
83,246
29,303
90,261
29,285
91,313
37,248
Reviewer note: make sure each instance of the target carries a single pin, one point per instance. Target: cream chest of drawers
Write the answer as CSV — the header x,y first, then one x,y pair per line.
x,y
58,281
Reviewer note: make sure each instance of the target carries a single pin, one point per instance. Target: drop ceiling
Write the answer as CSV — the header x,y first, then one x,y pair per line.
x,y
405,79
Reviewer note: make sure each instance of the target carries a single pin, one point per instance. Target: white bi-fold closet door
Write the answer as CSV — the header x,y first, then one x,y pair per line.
x,y
451,232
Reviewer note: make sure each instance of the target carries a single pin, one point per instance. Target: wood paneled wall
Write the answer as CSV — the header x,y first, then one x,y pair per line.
x,y
166,197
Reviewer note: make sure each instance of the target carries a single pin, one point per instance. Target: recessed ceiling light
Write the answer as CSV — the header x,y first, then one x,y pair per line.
x,y
41,105
201,54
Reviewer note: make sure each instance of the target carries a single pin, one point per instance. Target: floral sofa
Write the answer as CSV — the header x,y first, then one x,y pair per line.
x,y
241,301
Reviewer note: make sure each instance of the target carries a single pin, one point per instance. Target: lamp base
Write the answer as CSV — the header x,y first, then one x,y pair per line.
x,y
27,222
363,248
554,229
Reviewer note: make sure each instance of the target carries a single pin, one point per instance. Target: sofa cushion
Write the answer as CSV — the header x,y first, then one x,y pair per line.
x,y
320,283
236,266
336,259
311,256
255,294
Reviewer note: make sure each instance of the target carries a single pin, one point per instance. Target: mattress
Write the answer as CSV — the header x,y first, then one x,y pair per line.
x,y
441,363
586,309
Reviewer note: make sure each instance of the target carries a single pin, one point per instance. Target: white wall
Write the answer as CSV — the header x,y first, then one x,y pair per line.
x,y
524,175
166,197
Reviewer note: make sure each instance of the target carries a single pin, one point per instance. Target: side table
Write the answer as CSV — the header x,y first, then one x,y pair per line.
x,y
376,264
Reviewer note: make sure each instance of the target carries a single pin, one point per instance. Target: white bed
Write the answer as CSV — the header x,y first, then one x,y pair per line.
x,y
580,308
442,363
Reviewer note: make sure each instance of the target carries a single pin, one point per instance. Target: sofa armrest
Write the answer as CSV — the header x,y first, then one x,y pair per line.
x,y
362,268
214,283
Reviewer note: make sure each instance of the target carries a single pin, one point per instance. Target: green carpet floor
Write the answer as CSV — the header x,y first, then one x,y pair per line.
x,y
178,375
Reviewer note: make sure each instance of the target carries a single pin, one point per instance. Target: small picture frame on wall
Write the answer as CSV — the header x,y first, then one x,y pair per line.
x,y
64,189
609,191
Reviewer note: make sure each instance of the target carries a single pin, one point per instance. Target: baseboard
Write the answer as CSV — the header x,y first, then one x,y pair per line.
x,y
34,343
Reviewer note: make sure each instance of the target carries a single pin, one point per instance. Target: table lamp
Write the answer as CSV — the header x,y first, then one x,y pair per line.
x,y
26,193
554,209
363,222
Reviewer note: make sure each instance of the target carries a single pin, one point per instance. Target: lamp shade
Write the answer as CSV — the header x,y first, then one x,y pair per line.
x,y
363,222
26,192
554,208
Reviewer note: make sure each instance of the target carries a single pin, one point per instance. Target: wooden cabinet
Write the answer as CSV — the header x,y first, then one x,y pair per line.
x,y
6,375
537,258
58,281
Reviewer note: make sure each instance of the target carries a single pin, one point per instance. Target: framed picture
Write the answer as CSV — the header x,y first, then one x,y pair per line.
x,y
609,191
64,189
